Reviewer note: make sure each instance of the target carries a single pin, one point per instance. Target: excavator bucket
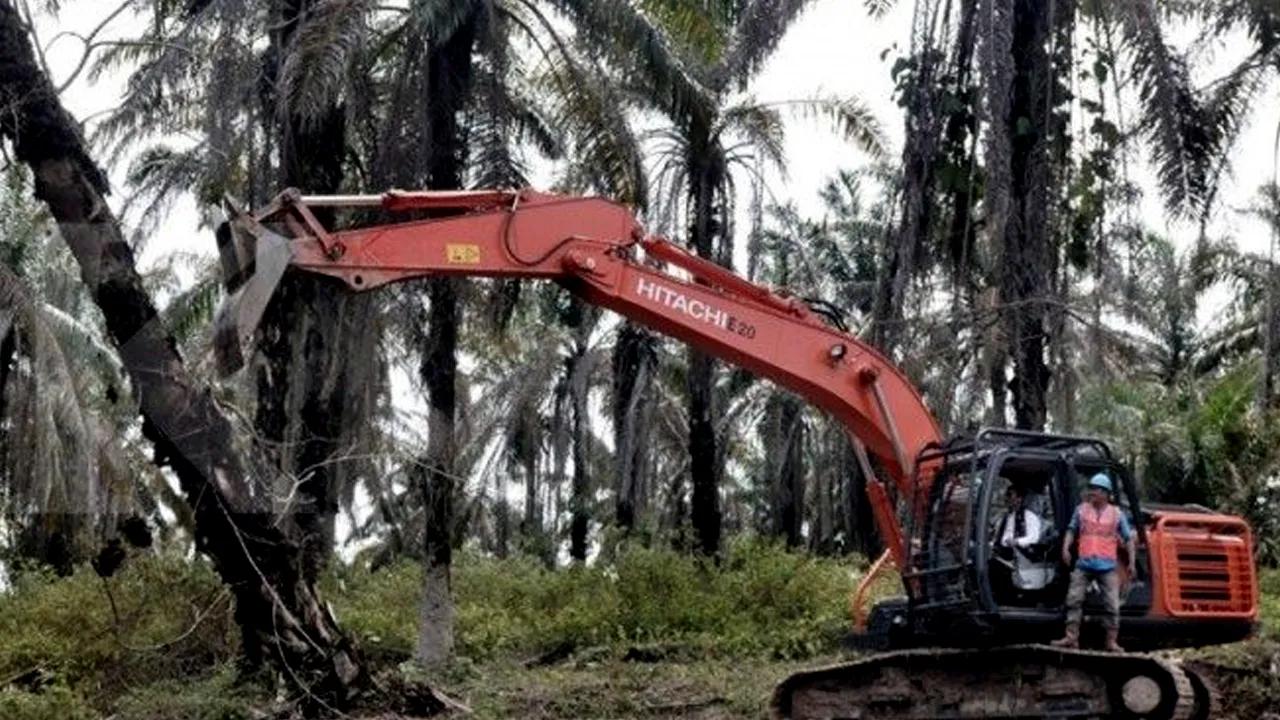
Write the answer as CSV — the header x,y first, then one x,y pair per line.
x,y
253,260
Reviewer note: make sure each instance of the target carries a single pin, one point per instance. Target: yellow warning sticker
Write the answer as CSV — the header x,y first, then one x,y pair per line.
x,y
463,254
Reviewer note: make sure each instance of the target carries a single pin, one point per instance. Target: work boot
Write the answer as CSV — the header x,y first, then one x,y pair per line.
x,y
1112,645
1071,639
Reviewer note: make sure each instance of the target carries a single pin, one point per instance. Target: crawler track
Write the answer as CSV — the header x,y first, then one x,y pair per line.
x,y
1027,682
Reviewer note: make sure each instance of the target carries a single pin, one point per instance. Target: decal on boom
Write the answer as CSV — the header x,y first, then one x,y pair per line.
x,y
694,308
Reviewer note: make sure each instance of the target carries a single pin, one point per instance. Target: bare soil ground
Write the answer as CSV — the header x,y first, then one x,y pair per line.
x,y
604,687
610,687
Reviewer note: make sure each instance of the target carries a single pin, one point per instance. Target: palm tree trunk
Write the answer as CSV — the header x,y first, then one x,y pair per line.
x,y
449,80
1026,281
704,507
439,373
786,461
317,340
633,364
857,520
274,602
531,521
580,499
1270,351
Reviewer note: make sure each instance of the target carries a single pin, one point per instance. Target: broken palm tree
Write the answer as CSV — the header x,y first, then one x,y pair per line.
x,y
280,614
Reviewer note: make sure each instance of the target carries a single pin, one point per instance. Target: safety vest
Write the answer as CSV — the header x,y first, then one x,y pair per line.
x,y
1098,531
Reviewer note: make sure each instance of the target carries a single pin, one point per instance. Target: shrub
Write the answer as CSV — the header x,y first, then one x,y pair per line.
x,y
57,702
760,600
215,697
159,617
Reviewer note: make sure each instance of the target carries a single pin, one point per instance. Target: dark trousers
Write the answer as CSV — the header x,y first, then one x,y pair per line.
x,y
1110,582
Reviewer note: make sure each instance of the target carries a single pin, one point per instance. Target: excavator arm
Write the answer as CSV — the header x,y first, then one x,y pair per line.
x,y
597,249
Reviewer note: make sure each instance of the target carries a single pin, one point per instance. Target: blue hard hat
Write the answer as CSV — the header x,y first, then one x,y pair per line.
x,y
1100,481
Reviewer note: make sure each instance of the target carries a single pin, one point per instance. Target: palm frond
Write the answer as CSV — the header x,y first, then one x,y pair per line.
x,y
759,29
699,29
522,104
670,173
631,44
605,148
1232,342
850,117
158,177
1227,107
439,19
315,68
878,9
85,340
1256,18
52,445
763,127
192,310
1184,146
494,157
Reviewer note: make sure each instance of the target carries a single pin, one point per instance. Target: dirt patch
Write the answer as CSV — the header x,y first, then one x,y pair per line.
x,y
590,686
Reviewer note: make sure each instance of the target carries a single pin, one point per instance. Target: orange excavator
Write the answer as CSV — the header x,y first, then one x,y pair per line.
x,y
969,637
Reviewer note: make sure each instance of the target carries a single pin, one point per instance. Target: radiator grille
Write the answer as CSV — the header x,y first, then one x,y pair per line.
x,y
1210,566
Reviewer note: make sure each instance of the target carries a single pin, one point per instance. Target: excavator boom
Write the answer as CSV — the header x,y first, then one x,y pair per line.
x,y
595,248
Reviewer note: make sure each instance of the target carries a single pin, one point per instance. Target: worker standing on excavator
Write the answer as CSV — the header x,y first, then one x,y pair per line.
x,y
1099,525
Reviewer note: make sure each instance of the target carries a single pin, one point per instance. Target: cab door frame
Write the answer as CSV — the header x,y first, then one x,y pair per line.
x,y
982,543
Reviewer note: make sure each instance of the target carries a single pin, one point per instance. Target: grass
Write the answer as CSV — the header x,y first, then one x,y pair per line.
x,y
653,634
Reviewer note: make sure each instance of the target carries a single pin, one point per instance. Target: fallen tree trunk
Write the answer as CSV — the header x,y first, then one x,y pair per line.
x,y
276,607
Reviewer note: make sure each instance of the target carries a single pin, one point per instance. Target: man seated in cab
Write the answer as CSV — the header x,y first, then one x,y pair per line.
x,y
1019,532
1100,526
1020,527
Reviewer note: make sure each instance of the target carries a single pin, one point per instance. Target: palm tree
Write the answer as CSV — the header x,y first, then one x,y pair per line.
x,y
330,85
1013,227
70,470
686,65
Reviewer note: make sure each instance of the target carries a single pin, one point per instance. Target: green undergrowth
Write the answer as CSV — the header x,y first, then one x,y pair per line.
x,y
593,686
158,640
1269,603
760,601
653,634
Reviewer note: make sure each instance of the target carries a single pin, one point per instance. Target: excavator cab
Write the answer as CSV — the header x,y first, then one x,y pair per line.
x,y
986,541
968,584
1033,482
970,636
